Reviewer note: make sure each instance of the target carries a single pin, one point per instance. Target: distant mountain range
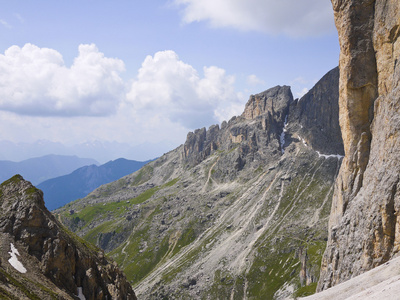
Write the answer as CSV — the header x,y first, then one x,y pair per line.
x,y
61,190
102,151
39,169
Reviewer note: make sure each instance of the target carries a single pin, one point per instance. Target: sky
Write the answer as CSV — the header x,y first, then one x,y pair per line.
x,y
148,72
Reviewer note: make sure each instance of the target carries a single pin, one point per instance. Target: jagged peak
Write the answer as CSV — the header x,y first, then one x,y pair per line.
x,y
276,99
17,184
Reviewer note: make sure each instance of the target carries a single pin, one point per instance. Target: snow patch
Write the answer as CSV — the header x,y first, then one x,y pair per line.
x,y
81,296
282,138
14,259
338,156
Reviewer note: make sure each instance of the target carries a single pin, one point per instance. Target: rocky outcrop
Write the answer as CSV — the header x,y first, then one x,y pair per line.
x,y
269,109
273,102
56,262
364,228
321,133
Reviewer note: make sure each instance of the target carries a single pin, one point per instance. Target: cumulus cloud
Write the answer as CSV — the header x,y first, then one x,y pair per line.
x,y
168,86
167,98
35,81
253,80
289,17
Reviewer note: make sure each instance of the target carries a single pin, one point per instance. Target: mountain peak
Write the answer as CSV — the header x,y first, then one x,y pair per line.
x,y
276,99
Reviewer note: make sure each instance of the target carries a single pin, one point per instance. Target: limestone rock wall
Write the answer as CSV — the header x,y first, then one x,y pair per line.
x,y
364,228
317,114
268,109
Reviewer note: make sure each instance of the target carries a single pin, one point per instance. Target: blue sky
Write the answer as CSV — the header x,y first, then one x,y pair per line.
x,y
150,71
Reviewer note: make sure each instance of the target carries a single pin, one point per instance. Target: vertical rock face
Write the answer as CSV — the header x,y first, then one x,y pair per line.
x,y
317,113
269,108
57,262
364,228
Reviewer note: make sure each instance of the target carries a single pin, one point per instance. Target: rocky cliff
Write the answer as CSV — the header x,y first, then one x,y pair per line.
x,y
41,260
364,227
240,210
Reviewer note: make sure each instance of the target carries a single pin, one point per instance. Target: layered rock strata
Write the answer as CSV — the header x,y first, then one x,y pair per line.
x,y
364,228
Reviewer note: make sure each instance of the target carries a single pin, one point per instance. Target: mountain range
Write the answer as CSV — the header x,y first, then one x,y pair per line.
x,y
239,210
64,189
39,169
101,151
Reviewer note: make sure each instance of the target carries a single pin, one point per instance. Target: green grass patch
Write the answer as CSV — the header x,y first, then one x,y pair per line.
x,y
6,296
306,290
270,271
78,240
15,179
139,264
20,286
144,196
171,183
105,227
186,238
143,175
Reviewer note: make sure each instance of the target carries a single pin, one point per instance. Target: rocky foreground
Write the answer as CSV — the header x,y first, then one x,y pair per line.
x,y
40,259
382,282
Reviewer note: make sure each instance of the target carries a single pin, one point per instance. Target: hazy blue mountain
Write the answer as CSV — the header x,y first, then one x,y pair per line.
x,y
39,169
101,151
61,190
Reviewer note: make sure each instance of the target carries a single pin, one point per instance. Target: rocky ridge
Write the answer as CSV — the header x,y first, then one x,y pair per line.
x,y
364,227
238,211
40,259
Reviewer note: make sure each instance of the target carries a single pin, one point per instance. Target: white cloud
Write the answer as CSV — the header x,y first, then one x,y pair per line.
x,y
302,93
5,24
301,85
39,95
20,18
253,80
35,81
167,86
300,80
289,17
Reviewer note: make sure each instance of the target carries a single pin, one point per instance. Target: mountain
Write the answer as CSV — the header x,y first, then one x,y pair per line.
x,y
40,259
61,190
102,151
364,226
238,211
42,168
